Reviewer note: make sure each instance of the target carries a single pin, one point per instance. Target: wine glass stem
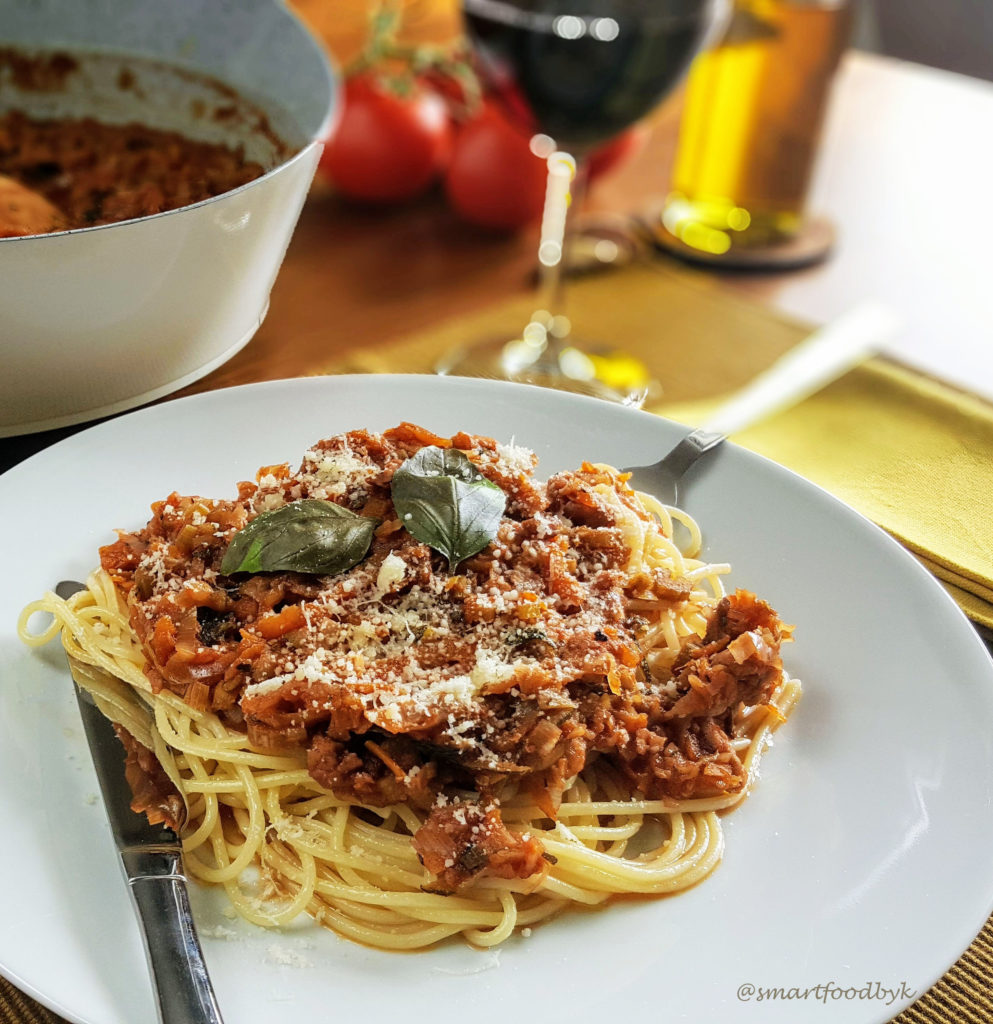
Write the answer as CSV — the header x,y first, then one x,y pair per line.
x,y
567,181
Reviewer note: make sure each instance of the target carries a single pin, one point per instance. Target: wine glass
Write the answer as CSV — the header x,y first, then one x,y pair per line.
x,y
572,74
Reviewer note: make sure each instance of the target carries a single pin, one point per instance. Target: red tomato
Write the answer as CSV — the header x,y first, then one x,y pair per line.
x,y
494,180
388,147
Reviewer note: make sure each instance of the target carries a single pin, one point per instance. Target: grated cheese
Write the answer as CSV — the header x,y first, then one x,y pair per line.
x,y
391,573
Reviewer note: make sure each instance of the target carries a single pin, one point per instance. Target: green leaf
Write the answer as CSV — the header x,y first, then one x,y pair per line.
x,y
309,535
445,502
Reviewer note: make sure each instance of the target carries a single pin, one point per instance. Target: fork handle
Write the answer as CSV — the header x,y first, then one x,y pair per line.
x,y
819,359
183,993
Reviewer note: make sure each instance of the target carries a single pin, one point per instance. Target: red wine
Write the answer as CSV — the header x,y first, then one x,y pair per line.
x,y
583,70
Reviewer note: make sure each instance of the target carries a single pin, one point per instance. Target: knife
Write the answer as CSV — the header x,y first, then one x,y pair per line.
x,y
151,857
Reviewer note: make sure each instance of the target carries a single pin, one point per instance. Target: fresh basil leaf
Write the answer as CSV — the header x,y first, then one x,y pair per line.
x,y
445,502
309,535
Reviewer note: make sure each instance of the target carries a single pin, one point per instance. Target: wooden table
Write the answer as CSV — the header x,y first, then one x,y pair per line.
x,y
902,174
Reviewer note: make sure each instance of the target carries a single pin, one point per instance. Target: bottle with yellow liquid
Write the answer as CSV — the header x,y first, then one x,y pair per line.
x,y
750,127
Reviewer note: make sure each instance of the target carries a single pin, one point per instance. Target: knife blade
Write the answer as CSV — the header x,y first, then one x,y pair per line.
x,y
151,859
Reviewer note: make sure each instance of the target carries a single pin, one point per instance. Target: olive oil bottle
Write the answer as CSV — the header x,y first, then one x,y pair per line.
x,y
753,112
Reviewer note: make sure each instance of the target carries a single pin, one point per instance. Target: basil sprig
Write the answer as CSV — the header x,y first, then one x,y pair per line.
x,y
309,535
446,503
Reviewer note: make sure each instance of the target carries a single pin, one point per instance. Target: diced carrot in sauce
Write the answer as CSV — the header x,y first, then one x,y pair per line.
x,y
281,623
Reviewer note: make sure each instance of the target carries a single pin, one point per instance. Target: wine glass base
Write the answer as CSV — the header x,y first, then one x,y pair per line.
x,y
609,375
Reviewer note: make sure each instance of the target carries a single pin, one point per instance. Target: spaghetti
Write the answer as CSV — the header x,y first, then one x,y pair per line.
x,y
561,720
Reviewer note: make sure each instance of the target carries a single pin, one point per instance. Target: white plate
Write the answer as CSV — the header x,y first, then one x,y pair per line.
x,y
862,860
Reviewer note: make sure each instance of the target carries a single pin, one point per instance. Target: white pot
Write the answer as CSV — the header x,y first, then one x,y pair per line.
x,y
96,320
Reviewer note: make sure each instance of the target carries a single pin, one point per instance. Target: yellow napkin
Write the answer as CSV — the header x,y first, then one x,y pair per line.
x,y
913,455
910,453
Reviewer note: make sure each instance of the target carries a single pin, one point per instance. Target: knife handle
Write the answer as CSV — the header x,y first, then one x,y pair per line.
x,y
183,992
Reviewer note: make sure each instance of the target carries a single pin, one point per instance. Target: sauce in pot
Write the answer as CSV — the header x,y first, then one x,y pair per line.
x,y
91,173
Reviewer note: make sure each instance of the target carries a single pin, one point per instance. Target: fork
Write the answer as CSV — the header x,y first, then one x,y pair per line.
x,y
822,357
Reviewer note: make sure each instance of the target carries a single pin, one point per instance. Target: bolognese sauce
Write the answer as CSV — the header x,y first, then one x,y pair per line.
x,y
407,680
76,173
